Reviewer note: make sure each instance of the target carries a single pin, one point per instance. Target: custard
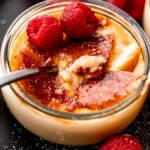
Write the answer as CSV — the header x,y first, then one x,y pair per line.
x,y
84,67
117,55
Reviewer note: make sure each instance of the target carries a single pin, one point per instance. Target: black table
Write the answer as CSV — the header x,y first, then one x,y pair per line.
x,y
14,137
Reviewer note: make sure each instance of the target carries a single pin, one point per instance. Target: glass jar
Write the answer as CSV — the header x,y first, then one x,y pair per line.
x,y
69,128
146,19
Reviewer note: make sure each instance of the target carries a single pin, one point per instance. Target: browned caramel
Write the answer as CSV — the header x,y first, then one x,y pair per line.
x,y
106,90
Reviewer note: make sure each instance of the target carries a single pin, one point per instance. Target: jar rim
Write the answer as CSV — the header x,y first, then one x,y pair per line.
x,y
116,12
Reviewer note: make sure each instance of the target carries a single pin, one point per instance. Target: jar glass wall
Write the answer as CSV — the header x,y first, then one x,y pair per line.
x,y
70,128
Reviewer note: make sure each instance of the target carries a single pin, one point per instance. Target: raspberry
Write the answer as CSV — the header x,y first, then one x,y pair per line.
x,y
135,8
118,3
44,32
78,20
122,142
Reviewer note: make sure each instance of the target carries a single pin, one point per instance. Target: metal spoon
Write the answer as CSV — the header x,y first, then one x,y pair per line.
x,y
20,74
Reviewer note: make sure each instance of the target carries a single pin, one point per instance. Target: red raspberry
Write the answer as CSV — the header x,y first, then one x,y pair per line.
x,y
135,8
44,32
122,142
132,7
118,3
78,20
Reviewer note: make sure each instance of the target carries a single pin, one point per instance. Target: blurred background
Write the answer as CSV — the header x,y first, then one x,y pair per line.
x,y
13,136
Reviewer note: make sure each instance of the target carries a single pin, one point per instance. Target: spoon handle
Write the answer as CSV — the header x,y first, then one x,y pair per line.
x,y
20,74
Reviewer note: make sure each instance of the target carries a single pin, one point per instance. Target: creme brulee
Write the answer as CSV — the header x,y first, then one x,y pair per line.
x,y
86,60
95,74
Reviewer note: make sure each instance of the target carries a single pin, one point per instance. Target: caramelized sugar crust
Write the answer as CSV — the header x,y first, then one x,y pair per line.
x,y
104,90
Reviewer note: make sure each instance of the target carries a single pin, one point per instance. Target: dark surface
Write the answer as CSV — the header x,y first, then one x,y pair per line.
x,y
14,137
